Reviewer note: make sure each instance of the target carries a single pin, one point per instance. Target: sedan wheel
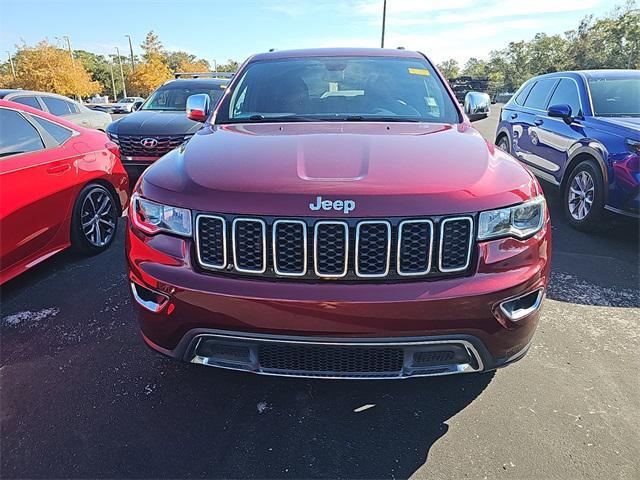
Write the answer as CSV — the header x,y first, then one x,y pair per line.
x,y
581,193
95,219
98,217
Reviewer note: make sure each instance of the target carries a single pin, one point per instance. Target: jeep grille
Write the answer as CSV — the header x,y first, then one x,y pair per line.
x,y
352,249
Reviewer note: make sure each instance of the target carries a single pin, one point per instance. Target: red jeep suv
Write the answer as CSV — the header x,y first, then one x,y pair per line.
x,y
337,216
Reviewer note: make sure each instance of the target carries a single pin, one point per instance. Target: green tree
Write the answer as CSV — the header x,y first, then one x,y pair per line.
x,y
475,68
152,46
449,68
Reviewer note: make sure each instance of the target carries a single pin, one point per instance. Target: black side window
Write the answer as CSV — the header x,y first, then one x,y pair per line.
x,y
29,101
522,96
540,94
567,94
56,106
60,134
17,135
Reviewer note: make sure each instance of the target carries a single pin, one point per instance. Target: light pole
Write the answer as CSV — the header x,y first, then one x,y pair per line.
x,y
384,20
66,37
133,65
215,66
13,68
113,85
124,88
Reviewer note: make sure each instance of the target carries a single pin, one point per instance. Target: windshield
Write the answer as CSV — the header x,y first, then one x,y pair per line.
x,y
339,89
127,100
174,98
616,97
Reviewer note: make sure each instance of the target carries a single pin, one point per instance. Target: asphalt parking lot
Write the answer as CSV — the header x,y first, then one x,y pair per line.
x,y
83,397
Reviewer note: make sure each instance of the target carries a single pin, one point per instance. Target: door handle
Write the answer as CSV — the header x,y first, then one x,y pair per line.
x,y
59,169
514,115
539,121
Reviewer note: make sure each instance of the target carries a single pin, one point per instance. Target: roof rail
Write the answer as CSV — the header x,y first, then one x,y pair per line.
x,y
224,75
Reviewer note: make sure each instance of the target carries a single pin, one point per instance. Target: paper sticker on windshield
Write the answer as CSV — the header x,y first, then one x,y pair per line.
x,y
419,71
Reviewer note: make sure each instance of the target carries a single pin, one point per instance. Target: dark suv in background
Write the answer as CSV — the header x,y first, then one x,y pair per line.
x,y
581,132
160,124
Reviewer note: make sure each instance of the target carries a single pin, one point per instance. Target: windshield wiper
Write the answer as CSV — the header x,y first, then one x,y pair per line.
x,y
371,118
257,118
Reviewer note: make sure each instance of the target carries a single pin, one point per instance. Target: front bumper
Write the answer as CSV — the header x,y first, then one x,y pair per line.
x,y
412,316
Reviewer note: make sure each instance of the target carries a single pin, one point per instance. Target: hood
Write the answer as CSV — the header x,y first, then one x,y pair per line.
x,y
626,126
146,122
397,169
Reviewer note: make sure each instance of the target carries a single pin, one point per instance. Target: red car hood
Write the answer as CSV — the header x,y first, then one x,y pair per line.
x,y
395,169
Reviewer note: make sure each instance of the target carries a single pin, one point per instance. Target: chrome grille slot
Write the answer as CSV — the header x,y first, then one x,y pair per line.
x,y
415,246
211,241
373,248
290,247
249,245
331,249
455,243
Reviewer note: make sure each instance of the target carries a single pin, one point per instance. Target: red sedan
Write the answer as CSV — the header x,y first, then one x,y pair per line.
x,y
61,185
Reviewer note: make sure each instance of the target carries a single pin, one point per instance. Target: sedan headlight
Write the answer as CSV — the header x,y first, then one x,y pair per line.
x,y
520,221
152,217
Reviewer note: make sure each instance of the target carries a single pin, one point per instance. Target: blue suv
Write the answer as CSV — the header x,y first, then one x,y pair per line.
x,y
581,132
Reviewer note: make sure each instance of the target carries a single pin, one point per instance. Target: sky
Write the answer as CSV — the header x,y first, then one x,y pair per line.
x,y
222,29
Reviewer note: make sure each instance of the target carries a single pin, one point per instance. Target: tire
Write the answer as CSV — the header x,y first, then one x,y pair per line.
x,y
583,197
503,143
95,207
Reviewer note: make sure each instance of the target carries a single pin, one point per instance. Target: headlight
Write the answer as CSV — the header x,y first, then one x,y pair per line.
x,y
152,217
520,221
112,136
633,145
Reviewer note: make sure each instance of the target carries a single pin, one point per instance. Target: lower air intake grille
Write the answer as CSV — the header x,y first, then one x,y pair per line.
x,y
326,360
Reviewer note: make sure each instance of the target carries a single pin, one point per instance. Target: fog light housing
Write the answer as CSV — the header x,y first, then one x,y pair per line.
x,y
149,299
517,308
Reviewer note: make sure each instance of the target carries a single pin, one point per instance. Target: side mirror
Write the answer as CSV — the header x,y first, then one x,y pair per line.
x,y
136,105
562,111
198,107
477,105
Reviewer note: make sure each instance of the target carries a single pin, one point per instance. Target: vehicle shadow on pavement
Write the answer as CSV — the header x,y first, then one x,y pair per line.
x,y
241,425
198,422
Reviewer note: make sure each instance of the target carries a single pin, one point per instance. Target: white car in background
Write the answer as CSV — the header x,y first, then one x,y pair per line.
x,y
126,104
60,107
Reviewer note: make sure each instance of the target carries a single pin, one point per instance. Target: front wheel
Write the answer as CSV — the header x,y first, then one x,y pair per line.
x,y
503,143
583,197
95,220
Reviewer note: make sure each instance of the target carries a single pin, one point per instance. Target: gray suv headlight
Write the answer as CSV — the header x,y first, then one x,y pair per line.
x,y
520,221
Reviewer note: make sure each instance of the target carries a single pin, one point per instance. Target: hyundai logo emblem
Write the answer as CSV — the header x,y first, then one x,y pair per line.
x,y
149,142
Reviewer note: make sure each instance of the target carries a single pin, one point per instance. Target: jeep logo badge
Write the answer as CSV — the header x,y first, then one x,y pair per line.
x,y
345,206
149,142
